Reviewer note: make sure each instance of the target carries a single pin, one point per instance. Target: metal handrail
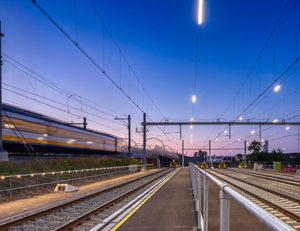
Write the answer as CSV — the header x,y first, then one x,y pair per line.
x,y
226,193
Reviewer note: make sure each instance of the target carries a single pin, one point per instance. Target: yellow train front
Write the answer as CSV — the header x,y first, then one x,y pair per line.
x,y
204,165
222,165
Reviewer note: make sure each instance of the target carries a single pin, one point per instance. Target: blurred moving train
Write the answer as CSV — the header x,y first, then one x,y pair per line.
x,y
28,131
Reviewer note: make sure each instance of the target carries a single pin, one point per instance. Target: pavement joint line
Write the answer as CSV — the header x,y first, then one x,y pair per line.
x,y
128,205
143,201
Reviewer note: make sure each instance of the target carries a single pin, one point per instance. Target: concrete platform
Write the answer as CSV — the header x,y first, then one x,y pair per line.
x,y
171,208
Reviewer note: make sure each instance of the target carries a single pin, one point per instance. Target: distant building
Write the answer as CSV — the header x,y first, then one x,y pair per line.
x,y
266,146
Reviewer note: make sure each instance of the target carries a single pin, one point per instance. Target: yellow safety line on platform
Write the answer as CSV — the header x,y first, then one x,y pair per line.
x,y
143,202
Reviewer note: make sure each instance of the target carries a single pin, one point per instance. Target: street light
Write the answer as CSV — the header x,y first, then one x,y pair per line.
x,y
277,88
200,12
194,98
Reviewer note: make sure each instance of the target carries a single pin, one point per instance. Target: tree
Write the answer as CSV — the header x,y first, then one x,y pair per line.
x,y
201,154
255,147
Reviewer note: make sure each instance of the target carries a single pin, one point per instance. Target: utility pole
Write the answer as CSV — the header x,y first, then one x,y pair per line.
x,y
182,158
3,153
144,142
245,151
129,132
129,135
84,123
209,152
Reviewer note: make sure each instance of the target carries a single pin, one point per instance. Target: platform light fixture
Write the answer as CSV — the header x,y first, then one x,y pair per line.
x,y
45,135
2,177
192,119
32,175
277,88
240,118
43,174
275,121
287,128
18,176
225,131
200,12
252,132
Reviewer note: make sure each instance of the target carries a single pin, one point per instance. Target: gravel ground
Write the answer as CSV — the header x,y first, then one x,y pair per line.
x,y
60,217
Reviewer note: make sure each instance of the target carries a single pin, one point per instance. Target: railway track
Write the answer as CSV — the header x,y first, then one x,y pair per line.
x,y
70,214
289,187
278,178
280,203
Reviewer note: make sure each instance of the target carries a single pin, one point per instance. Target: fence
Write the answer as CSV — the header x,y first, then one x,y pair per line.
x,y
200,193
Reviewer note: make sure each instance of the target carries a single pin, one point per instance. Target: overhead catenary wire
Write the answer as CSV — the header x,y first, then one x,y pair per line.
x,y
256,61
42,79
84,52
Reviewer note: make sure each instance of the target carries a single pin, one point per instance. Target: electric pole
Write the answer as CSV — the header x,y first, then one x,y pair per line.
x,y
3,153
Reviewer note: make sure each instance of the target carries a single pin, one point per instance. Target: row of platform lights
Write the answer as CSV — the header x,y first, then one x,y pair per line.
x,y
70,141
60,172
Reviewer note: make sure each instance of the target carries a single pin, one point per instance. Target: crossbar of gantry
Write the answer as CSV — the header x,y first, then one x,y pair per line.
x,y
229,123
213,149
219,123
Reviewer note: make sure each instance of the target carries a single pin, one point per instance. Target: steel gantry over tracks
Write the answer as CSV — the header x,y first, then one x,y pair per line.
x,y
207,123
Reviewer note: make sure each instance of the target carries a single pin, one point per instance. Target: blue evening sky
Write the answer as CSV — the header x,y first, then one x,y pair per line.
x,y
158,39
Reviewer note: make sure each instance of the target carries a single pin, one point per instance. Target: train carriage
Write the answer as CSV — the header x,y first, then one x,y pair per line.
x,y
23,128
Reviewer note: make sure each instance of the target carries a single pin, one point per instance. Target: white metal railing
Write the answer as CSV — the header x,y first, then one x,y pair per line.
x,y
226,193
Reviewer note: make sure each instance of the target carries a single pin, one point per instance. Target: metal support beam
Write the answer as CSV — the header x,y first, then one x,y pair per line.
x,y
260,132
236,123
209,152
3,153
214,149
84,123
229,131
144,141
245,151
182,158
129,135
129,132
180,132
